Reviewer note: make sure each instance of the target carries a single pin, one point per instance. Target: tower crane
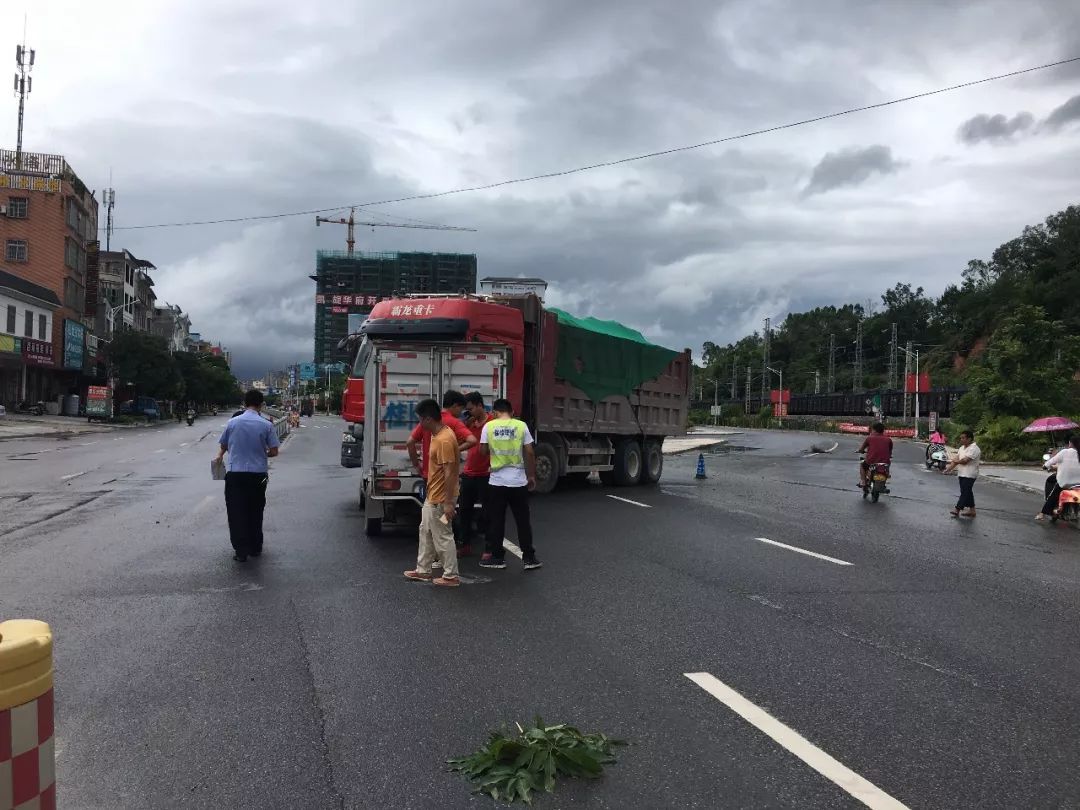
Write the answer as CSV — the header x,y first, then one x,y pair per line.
x,y
351,222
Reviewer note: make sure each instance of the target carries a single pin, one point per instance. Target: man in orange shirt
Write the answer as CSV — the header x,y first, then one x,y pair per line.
x,y
440,506
453,405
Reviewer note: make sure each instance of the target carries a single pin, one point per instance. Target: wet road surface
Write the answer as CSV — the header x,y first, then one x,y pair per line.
x,y
835,646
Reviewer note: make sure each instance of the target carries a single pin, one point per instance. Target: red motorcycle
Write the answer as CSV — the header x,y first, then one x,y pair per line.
x,y
1068,506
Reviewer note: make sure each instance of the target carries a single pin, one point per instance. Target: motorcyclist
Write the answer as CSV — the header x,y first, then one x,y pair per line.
x,y
190,416
1066,466
878,449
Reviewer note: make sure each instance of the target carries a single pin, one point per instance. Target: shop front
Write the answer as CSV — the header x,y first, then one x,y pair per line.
x,y
40,370
12,371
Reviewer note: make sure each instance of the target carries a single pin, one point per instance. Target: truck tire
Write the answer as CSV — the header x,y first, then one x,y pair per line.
x,y
547,468
628,463
373,527
653,463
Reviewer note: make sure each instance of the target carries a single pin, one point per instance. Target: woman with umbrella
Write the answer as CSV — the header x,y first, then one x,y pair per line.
x,y
1066,466
1051,425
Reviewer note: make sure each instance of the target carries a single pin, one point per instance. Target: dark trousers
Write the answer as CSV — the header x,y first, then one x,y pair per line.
x,y
498,498
245,499
967,497
473,492
1053,493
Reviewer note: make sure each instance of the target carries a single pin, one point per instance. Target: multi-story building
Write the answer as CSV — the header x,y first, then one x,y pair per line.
x,y
171,323
26,318
48,221
347,286
145,298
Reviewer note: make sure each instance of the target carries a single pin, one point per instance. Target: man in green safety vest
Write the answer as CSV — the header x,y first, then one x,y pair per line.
x,y
509,444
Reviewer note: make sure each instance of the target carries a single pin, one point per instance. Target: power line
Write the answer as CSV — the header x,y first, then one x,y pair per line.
x,y
618,161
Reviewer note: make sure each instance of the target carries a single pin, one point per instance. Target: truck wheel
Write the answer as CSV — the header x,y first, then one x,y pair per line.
x,y
653,466
547,468
628,463
373,527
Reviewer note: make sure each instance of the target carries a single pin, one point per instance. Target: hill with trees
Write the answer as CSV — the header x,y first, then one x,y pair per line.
x,y
1008,330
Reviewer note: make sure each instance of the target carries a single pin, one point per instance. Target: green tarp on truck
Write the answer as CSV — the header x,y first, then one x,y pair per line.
x,y
605,358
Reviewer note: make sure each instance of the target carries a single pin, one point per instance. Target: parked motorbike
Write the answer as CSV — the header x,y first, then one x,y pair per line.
x,y
34,408
877,478
937,456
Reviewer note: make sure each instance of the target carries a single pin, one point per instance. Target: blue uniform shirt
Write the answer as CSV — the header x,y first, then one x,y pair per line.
x,y
247,438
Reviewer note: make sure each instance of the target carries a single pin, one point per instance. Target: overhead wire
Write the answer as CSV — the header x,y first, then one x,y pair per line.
x,y
617,161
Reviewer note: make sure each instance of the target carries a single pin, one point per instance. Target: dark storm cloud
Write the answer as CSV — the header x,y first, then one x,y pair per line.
x,y
993,128
851,167
1068,113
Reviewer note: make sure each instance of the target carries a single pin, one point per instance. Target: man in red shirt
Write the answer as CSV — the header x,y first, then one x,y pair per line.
x,y
878,448
474,477
453,404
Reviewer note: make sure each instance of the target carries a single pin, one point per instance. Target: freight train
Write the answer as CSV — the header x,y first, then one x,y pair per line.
x,y
940,400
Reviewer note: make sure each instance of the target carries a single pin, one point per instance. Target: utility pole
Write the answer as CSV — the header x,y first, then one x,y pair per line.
x,y
830,379
765,359
908,354
109,198
24,63
746,406
734,384
892,359
857,376
817,382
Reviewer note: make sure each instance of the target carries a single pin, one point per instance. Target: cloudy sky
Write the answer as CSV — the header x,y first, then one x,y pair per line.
x,y
205,110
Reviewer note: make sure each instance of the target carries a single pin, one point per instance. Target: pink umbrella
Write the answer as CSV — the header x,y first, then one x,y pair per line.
x,y
1050,424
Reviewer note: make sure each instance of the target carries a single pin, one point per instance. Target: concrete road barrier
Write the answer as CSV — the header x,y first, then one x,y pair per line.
x,y
27,757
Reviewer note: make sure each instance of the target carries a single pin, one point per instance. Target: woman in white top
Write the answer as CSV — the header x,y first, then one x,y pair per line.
x,y
1067,466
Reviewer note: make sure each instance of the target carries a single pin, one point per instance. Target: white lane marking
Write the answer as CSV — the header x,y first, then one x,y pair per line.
x,y
803,551
835,771
627,500
162,450
512,548
86,444
73,475
184,444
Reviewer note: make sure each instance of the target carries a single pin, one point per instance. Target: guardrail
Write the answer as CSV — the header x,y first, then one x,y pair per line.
x,y
280,420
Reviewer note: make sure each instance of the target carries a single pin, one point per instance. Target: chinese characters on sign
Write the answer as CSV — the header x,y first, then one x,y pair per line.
x,y
37,352
74,344
412,310
349,300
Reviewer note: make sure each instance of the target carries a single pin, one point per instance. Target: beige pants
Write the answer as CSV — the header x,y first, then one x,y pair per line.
x,y
436,541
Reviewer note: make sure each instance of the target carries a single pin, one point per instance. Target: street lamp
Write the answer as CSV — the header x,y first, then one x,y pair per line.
x,y
716,402
914,354
780,411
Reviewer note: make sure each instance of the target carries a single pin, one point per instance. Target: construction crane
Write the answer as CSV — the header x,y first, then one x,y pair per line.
x,y
350,240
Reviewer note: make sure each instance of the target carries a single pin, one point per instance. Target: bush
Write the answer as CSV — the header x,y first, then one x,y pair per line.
x,y
1003,439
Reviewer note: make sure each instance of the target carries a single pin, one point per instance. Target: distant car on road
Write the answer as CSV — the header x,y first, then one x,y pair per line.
x,y
141,406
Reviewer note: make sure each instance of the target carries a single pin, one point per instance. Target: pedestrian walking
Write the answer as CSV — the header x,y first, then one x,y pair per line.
x,y
440,504
250,442
474,476
509,445
967,463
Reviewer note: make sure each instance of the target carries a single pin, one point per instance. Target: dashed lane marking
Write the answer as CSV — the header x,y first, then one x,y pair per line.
x,y
803,551
832,769
73,475
627,500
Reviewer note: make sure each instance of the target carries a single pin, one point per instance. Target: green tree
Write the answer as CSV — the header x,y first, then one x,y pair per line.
x,y
144,361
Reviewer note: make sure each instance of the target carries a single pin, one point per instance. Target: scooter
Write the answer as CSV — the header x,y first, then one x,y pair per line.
x,y
877,478
190,418
1068,506
937,456
35,408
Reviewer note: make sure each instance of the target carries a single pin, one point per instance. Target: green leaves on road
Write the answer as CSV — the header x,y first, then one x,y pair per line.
x,y
511,768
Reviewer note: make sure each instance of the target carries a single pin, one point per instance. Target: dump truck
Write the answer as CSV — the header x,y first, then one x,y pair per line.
x,y
597,396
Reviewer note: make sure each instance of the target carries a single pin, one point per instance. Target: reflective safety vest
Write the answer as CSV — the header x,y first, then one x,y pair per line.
x,y
505,440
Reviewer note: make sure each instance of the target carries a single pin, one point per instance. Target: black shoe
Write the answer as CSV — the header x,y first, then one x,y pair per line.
x,y
531,562
494,562
240,557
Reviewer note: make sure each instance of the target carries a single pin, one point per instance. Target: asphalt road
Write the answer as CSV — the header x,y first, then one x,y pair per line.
x,y
938,667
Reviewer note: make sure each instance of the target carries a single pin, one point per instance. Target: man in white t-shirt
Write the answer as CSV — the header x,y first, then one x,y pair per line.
x,y
966,464
509,444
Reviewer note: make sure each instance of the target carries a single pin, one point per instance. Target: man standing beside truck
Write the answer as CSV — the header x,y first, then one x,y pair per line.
x,y
509,445
474,477
440,503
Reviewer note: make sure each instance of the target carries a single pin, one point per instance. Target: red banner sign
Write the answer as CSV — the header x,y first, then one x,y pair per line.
x,y
924,384
97,392
37,352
